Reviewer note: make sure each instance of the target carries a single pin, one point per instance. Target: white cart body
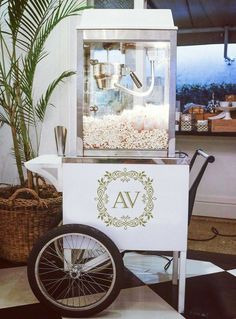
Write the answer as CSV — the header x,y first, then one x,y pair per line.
x,y
141,206
115,198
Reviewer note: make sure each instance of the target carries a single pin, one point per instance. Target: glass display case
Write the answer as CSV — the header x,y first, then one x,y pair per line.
x,y
126,90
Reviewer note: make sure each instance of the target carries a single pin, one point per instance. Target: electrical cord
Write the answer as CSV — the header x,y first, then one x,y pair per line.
x,y
167,265
169,260
215,234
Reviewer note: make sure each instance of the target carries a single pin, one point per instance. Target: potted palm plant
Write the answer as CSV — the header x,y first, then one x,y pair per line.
x,y
25,26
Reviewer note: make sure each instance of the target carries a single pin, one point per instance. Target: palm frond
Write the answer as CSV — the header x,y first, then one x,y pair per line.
x,y
34,16
16,10
3,2
43,103
3,120
26,106
54,15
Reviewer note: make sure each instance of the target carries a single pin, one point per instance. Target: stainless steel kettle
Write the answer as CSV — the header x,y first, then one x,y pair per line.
x,y
108,75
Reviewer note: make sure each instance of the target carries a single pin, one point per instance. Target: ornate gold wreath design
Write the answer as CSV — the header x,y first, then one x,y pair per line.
x,y
125,176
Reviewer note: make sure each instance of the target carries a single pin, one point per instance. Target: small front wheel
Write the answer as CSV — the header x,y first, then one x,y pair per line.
x,y
76,270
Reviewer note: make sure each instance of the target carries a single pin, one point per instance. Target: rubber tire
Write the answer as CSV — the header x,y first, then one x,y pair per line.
x,y
86,230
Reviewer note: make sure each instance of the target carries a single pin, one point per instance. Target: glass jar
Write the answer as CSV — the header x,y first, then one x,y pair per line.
x,y
187,121
202,125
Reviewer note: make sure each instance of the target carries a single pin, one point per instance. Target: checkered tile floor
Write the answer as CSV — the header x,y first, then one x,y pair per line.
x,y
147,293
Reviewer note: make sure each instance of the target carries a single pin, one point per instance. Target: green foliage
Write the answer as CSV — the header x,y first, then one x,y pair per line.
x,y
202,94
25,26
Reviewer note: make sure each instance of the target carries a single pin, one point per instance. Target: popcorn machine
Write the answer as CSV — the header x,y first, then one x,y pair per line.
x,y
126,91
125,189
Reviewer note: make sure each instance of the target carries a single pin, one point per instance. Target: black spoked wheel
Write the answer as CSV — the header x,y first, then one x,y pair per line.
x,y
76,270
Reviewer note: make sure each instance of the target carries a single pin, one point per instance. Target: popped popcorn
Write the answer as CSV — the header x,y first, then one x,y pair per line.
x,y
139,128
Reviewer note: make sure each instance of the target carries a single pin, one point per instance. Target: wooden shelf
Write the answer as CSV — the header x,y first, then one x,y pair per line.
x,y
195,133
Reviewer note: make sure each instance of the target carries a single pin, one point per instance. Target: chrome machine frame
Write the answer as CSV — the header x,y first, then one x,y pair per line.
x,y
86,35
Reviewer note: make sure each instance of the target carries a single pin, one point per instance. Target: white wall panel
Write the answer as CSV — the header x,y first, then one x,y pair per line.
x,y
217,192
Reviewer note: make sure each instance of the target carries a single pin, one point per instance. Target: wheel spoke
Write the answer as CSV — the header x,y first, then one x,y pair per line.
x,y
59,284
76,271
50,271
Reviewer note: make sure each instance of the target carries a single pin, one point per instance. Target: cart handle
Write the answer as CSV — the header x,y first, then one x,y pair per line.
x,y
196,182
209,158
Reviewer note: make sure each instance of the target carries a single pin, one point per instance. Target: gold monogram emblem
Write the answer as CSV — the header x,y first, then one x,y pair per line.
x,y
121,199
125,200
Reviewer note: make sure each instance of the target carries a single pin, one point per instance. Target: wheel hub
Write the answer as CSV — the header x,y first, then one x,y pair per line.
x,y
75,271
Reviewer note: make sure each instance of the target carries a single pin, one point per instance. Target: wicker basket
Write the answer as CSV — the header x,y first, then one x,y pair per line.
x,y
24,220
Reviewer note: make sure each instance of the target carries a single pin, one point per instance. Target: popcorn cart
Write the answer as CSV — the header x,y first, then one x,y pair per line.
x,y
125,189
